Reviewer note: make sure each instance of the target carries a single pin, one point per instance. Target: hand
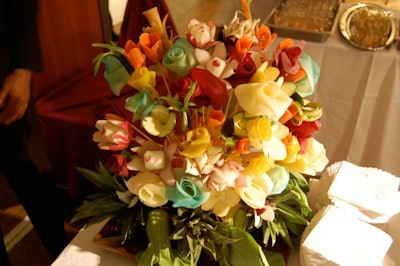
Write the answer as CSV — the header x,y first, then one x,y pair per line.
x,y
14,96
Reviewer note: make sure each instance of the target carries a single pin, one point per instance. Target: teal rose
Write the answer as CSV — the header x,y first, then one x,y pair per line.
x,y
180,57
189,192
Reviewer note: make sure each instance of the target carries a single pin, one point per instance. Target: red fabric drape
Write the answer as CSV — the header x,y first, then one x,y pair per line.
x,y
134,21
68,111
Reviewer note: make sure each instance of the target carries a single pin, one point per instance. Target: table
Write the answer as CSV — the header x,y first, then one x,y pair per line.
x,y
359,92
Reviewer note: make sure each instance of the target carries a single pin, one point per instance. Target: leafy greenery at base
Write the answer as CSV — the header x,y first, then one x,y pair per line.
x,y
180,236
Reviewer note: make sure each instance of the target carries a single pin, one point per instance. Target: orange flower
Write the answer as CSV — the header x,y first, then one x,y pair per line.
x,y
242,146
285,44
264,36
243,45
134,54
215,121
151,45
289,113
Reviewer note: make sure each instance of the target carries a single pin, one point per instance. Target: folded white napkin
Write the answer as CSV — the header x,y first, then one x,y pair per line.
x,y
369,193
335,237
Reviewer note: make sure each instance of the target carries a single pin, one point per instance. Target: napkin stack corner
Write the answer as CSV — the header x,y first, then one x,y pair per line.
x,y
353,198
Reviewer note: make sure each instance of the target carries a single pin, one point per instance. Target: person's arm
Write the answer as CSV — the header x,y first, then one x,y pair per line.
x,y
25,57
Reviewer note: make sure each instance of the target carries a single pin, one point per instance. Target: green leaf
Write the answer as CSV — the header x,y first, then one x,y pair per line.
x,y
291,214
275,258
102,206
246,251
300,180
102,179
128,223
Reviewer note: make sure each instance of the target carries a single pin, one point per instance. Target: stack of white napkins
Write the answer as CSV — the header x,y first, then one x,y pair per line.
x,y
335,237
371,194
341,232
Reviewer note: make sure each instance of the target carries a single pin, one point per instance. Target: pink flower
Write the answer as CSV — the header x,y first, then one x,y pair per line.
x,y
114,133
225,176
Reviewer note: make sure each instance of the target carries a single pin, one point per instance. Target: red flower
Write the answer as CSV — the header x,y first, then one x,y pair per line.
x,y
118,164
304,131
286,59
209,90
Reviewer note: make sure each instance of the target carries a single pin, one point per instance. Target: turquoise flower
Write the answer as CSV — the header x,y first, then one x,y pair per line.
x,y
140,104
280,177
180,57
189,192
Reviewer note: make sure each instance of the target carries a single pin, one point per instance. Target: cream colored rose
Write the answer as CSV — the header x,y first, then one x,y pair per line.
x,y
154,160
264,99
257,190
149,187
315,156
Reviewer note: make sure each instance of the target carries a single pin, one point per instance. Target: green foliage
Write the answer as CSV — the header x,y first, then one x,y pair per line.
x,y
292,212
103,178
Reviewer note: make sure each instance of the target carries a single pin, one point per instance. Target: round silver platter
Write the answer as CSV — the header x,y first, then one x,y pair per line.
x,y
347,27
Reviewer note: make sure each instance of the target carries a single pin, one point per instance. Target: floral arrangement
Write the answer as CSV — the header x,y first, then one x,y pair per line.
x,y
211,155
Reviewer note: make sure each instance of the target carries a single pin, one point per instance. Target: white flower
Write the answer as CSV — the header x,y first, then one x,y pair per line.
x,y
201,35
215,62
149,187
257,190
238,29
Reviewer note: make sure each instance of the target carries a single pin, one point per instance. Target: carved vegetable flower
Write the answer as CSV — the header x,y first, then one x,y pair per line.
x,y
189,192
149,187
265,99
201,35
258,188
160,121
197,142
114,133
151,157
180,58
220,202
141,79
225,175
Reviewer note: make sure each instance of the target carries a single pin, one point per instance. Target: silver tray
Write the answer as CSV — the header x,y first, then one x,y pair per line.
x,y
379,36
301,32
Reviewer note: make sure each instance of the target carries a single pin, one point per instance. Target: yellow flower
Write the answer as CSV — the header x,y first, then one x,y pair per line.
x,y
311,162
149,187
292,148
263,99
141,79
258,131
264,73
259,163
196,143
220,202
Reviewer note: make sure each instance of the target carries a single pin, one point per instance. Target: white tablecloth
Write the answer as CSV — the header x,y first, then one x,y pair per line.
x,y
359,92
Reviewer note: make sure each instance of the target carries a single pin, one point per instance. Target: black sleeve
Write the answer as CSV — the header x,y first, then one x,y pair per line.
x,y
24,41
